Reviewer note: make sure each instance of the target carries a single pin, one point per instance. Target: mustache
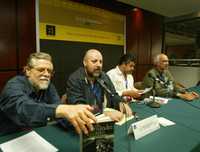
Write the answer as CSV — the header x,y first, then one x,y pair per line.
x,y
98,69
45,78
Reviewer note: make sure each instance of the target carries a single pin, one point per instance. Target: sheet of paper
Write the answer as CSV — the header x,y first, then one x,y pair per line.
x,y
165,122
146,90
160,100
124,119
103,118
31,142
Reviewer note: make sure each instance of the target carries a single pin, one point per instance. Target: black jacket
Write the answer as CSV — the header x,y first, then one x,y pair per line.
x,y
79,90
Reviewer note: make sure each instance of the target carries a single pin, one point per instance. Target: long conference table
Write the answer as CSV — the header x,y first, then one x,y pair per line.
x,y
182,137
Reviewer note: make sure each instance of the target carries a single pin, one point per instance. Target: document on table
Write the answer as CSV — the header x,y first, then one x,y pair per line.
x,y
165,122
31,142
103,118
145,90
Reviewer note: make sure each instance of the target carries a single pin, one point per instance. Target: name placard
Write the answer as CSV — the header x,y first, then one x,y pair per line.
x,y
144,127
160,100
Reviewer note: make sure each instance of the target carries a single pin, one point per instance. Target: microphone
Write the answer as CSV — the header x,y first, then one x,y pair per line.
x,y
152,103
103,85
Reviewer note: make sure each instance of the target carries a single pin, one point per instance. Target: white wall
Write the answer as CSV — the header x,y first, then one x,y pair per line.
x,y
188,76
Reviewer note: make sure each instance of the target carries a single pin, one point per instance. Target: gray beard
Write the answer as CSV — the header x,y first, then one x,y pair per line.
x,y
43,86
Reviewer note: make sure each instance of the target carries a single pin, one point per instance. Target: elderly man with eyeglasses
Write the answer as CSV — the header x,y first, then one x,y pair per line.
x,y
165,85
31,100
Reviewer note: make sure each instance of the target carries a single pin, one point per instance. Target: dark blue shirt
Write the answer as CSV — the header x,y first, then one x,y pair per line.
x,y
21,106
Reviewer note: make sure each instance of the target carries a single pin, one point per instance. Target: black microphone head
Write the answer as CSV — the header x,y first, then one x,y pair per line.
x,y
104,86
100,81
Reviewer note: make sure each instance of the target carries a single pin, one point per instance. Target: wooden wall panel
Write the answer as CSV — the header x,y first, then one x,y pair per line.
x,y
144,39
26,30
157,34
144,48
140,71
8,35
17,36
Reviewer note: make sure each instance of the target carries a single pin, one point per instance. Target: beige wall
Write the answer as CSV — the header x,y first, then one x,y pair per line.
x,y
188,76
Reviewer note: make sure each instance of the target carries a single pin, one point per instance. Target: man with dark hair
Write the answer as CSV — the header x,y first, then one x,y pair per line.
x,y
165,85
90,85
31,100
122,78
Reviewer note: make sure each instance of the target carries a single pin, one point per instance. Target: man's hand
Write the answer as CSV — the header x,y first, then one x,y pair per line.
x,y
125,108
114,115
79,115
133,93
188,96
195,94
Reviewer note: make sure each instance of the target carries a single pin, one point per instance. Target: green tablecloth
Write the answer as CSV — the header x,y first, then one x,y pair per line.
x,y
182,137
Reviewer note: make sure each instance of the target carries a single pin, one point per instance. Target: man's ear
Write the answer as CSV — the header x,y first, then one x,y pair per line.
x,y
84,63
26,70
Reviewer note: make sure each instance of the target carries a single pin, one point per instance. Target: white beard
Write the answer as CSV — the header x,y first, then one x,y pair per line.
x,y
43,85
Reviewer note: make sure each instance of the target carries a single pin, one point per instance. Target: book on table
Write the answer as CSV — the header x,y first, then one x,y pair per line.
x,y
101,138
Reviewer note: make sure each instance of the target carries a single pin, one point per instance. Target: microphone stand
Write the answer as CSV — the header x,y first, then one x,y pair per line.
x,y
154,90
152,103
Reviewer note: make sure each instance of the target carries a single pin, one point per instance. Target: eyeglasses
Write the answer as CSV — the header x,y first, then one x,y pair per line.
x,y
42,70
165,61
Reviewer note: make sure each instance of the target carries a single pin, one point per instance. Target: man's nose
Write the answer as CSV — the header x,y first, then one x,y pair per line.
x,y
46,72
99,64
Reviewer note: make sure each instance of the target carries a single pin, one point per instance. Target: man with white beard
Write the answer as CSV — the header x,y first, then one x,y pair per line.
x,y
31,100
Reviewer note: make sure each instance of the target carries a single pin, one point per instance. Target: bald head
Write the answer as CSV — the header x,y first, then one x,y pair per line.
x,y
91,53
161,62
92,62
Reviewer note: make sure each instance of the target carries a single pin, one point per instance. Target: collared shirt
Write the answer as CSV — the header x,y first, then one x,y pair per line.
x,y
22,107
121,83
